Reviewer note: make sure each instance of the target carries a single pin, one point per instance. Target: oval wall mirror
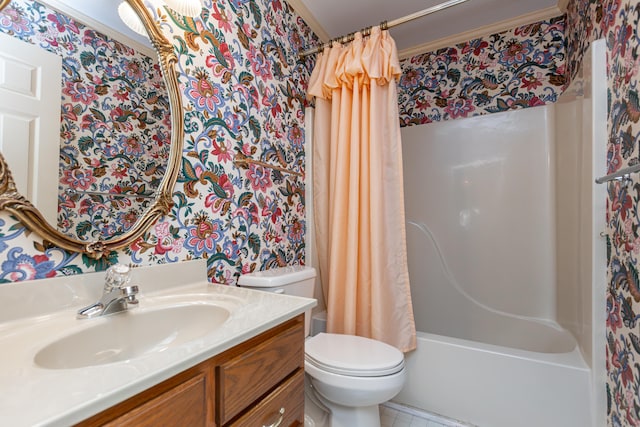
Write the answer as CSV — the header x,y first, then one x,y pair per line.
x,y
91,153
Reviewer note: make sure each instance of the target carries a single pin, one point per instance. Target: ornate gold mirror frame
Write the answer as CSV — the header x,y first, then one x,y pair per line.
x,y
17,205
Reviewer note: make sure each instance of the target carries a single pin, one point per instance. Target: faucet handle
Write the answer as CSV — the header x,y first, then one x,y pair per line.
x,y
129,293
117,276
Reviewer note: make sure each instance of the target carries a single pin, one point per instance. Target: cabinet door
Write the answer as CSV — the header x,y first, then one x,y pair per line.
x,y
283,407
30,120
183,405
246,377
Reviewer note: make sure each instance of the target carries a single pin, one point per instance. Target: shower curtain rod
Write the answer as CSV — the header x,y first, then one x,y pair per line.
x,y
384,25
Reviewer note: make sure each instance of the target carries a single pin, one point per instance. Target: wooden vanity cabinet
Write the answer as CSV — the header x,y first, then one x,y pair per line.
x,y
253,384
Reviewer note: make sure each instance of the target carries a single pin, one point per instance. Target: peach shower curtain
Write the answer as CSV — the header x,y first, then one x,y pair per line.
x,y
358,191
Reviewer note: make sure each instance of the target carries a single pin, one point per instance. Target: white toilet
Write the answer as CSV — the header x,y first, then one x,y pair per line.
x,y
349,375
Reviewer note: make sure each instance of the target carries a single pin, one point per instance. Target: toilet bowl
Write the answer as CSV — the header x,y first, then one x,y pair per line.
x,y
352,376
348,376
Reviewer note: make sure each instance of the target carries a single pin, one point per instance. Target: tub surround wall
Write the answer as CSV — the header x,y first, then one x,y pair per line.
x,y
243,92
580,214
580,206
470,184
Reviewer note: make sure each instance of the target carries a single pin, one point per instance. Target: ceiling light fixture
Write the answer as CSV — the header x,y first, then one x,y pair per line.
x,y
185,7
131,18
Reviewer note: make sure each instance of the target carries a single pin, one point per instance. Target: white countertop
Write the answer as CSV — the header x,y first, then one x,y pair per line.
x,y
34,396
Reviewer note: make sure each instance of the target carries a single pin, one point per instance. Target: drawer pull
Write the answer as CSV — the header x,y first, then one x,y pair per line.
x,y
277,423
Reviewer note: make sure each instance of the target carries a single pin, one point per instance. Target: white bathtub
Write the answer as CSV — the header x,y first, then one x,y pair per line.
x,y
495,386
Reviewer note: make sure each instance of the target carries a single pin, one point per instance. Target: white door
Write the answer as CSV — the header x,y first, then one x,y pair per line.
x,y
30,80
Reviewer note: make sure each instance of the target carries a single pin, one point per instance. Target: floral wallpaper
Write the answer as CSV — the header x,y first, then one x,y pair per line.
x,y
519,68
243,93
618,21
242,88
115,128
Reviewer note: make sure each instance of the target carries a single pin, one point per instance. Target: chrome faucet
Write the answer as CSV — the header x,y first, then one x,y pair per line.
x,y
117,294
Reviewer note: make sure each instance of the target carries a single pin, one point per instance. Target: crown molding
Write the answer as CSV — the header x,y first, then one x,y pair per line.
x,y
308,17
92,23
563,5
498,27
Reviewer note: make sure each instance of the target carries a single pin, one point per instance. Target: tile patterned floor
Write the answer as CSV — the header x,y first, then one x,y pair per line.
x,y
390,417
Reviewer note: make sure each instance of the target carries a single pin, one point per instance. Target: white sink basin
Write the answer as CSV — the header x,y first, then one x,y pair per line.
x,y
131,334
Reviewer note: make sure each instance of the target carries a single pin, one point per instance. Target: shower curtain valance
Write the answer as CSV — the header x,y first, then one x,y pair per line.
x,y
364,60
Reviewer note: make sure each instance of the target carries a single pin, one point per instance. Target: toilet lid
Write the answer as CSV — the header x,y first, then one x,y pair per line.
x,y
353,356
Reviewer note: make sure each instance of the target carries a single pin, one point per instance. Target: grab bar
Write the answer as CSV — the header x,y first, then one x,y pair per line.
x,y
244,161
622,173
71,192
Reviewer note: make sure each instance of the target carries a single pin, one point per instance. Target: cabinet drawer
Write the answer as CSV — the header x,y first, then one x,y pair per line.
x,y
286,401
184,399
252,374
186,404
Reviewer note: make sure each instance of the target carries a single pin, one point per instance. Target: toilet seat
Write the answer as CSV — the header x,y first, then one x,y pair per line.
x,y
353,356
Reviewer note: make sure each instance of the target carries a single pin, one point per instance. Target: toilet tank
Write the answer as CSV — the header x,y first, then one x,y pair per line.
x,y
297,280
